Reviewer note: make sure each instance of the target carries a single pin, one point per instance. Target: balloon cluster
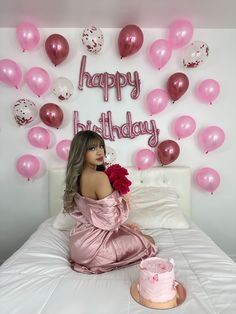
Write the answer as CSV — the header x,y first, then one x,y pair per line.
x,y
25,111
210,138
180,33
167,152
37,79
130,41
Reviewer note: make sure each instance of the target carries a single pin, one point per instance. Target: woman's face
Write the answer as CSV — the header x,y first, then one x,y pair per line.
x,y
95,155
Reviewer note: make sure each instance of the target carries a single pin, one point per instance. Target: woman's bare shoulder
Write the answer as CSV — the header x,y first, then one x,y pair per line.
x,y
103,186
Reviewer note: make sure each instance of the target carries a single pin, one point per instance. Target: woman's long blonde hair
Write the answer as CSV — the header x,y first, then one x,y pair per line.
x,y
80,144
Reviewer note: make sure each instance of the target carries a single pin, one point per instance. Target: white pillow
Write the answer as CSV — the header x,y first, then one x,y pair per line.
x,y
63,221
151,208
156,207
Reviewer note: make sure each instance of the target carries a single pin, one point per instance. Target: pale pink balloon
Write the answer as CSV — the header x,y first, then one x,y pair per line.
x,y
39,137
156,101
184,126
208,179
211,138
144,159
63,148
180,33
208,90
10,73
160,53
27,35
38,80
28,166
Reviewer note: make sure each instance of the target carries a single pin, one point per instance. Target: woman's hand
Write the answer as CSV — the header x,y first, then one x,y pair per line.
x,y
128,199
134,227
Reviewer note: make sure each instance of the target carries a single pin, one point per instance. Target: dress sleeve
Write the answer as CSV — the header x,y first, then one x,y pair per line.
x,y
108,213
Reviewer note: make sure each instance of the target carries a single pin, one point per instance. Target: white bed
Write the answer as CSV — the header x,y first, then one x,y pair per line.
x,y
38,278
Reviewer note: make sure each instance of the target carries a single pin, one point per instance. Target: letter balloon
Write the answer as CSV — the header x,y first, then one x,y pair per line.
x,y
27,35
167,152
28,166
207,178
130,40
57,48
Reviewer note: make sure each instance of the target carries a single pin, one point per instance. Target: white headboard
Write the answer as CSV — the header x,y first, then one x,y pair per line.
x,y
176,177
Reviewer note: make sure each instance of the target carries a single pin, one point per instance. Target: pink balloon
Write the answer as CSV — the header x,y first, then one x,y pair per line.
x,y
10,73
144,159
156,101
63,148
208,90
27,35
28,166
208,179
211,138
180,33
39,137
38,80
184,126
160,53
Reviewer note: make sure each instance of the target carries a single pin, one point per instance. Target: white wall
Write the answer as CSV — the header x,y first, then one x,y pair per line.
x,y
24,204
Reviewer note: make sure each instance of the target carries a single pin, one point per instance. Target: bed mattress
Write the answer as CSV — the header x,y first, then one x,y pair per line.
x,y
38,277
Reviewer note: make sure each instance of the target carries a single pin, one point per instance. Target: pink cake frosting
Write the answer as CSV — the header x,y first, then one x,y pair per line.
x,y
157,279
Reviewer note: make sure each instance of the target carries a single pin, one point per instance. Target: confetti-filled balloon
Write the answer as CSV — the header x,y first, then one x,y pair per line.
x,y
62,88
195,54
110,157
92,39
25,111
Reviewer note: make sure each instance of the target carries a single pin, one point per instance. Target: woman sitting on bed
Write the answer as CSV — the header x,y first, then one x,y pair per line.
x,y
100,241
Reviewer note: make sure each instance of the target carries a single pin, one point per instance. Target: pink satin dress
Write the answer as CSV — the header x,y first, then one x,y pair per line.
x,y
100,242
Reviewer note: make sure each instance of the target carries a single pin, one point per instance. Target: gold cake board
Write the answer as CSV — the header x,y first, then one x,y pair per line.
x,y
178,300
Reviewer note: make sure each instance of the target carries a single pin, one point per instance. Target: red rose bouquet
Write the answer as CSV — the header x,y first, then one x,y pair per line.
x,y
117,176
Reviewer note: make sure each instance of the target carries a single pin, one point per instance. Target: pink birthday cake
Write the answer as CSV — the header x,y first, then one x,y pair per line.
x,y
157,282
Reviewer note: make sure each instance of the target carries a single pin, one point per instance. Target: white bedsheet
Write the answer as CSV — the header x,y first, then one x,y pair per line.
x,y
38,278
